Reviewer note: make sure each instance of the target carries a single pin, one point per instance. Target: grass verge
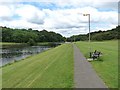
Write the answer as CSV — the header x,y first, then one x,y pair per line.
x,y
50,69
11,45
108,68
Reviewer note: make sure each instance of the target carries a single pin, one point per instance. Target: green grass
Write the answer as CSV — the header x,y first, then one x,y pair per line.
x,y
108,68
43,43
50,69
7,43
11,44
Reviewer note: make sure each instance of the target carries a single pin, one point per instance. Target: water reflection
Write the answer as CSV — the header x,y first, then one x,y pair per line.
x,y
15,54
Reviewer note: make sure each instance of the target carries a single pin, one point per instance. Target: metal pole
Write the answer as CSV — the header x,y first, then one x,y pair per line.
x,y
89,31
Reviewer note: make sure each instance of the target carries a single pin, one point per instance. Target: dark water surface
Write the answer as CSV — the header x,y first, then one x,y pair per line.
x,y
10,55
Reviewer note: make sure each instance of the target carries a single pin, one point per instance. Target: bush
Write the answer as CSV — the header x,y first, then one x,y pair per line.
x,y
31,42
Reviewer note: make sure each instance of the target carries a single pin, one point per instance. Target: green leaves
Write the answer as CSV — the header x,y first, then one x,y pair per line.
x,y
31,42
23,35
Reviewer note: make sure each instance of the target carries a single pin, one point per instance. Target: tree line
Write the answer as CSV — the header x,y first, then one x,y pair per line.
x,y
29,35
34,36
98,35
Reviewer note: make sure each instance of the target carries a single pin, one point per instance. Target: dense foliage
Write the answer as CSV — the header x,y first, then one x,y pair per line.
x,y
98,35
27,36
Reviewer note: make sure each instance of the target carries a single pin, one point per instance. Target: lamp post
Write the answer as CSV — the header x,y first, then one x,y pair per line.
x,y
89,28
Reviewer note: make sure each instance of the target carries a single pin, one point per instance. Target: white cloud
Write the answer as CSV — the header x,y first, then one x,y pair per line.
x,y
102,4
56,1
21,24
69,18
31,14
6,12
68,21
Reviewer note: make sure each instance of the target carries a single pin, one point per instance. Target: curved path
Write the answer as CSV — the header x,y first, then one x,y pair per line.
x,y
84,74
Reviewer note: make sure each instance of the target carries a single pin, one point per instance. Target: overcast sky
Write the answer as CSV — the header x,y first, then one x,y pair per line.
x,y
61,16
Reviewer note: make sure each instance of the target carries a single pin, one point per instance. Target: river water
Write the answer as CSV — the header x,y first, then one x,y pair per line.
x,y
10,55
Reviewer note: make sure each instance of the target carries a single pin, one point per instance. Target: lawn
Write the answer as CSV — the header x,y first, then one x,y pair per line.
x,y
50,69
108,68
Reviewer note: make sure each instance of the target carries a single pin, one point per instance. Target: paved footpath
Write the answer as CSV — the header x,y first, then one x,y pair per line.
x,y
84,74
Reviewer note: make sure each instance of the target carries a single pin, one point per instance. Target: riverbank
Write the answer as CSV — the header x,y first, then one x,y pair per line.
x,y
54,68
50,69
13,45
11,55
13,52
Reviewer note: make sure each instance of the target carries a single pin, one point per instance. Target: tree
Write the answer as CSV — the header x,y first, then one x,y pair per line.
x,y
31,42
98,35
23,35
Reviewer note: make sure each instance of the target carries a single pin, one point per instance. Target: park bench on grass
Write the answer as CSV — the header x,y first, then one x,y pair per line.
x,y
95,54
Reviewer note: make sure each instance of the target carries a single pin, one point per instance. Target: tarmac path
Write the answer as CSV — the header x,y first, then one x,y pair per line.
x,y
84,74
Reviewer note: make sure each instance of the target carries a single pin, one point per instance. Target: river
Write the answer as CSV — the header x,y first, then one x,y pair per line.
x,y
11,55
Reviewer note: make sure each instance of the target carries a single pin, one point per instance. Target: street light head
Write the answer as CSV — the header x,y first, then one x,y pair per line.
x,y
86,14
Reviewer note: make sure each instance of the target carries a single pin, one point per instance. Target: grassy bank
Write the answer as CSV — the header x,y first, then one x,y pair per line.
x,y
50,69
51,44
11,45
8,43
108,68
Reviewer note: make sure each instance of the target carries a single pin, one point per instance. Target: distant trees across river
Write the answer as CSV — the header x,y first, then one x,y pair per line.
x,y
29,35
33,36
